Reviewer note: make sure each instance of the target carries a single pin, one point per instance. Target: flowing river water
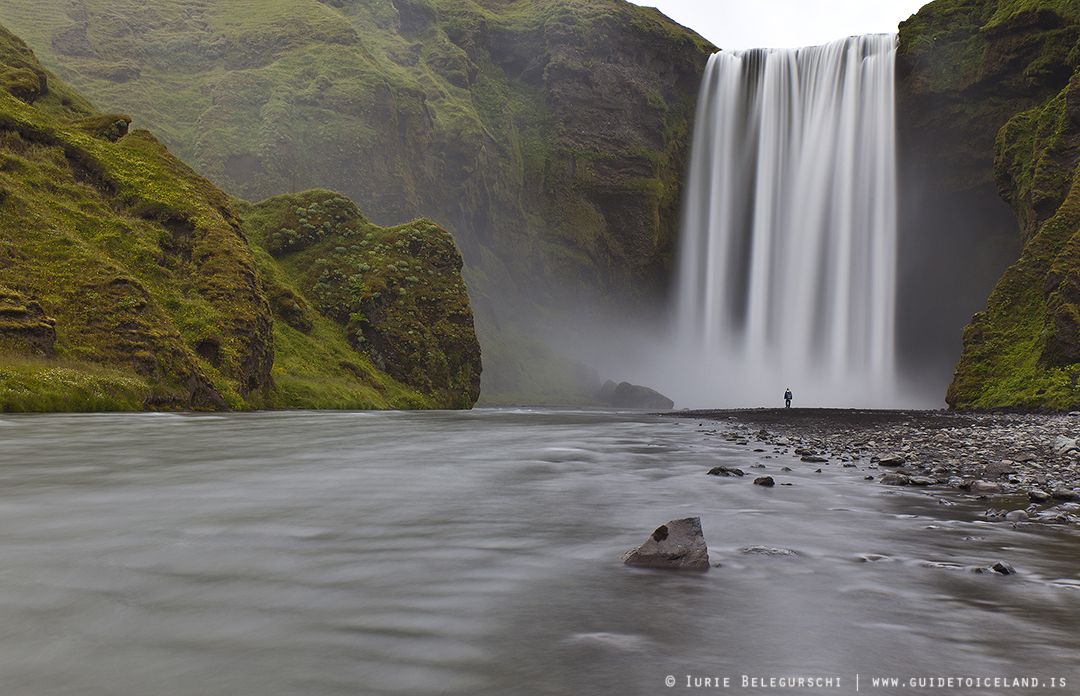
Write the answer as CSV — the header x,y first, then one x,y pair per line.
x,y
479,553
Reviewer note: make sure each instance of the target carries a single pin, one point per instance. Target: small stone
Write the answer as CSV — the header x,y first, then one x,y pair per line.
x,y
921,481
725,471
767,551
892,460
787,468
766,481
894,479
1003,568
868,477
1017,516
1037,495
814,459
985,487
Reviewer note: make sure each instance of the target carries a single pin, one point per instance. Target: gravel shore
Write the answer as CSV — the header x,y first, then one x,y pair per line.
x,y
1027,466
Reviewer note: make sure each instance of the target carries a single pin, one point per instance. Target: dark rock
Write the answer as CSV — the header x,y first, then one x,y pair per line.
x,y
725,471
892,460
677,545
895,479
1003,568
814,459
1037,495
766,481
628,395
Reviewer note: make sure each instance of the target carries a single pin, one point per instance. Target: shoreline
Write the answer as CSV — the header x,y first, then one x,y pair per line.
x,y
1024,466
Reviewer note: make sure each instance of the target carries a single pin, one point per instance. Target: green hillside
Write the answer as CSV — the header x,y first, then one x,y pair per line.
x,y
127,281
549,136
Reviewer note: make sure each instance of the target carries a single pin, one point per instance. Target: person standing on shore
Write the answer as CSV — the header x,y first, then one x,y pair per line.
x,y
787,398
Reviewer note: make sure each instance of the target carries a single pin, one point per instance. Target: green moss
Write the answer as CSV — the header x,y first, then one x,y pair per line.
x,y
1023,351
28,386
127,281
395,294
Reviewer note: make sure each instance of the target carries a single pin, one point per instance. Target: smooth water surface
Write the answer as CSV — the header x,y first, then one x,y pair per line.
x,y
478,553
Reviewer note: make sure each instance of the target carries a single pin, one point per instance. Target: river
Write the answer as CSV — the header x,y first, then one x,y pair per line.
x,y
479,553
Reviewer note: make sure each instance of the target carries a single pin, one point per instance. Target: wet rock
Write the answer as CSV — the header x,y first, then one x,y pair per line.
x,y
787,468
1066,445
1065,494
999,470
1003,568
1037,495
725,471
892,460
868,477
895,479
1017,516
985,487
766,481
767,551
814,459
921,481
677,545
849,465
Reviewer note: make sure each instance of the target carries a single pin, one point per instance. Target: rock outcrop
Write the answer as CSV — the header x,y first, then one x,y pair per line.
x,y
987,93
396,292
634,396
677,545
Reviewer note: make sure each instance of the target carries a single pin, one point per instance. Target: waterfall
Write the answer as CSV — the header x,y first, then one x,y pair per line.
x,y
787,268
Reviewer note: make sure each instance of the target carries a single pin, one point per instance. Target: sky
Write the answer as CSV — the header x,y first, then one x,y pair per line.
x,y
734,24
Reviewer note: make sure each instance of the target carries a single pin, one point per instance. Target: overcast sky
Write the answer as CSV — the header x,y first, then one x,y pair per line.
x,y
785,23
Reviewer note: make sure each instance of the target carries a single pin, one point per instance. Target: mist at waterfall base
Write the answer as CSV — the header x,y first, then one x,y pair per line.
x,y
815,253
788,262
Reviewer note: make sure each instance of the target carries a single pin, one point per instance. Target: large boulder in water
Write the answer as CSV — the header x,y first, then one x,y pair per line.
x,y
677,545
626,395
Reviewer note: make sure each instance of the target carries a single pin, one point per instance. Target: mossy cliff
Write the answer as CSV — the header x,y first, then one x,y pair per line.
x,y
990,97
549,136
128,281
396,292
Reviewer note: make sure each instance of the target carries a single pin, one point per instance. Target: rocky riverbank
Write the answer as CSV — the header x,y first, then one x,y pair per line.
x,y
1025,466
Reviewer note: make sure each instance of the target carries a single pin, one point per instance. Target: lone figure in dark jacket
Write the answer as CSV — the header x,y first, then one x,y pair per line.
x,y
787,398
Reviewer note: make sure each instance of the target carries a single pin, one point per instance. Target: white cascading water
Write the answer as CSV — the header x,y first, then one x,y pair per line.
x,y
787,273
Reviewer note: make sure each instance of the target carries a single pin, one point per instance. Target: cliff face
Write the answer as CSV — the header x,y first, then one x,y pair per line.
x,y
549,136
127,281
989,97
396,292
